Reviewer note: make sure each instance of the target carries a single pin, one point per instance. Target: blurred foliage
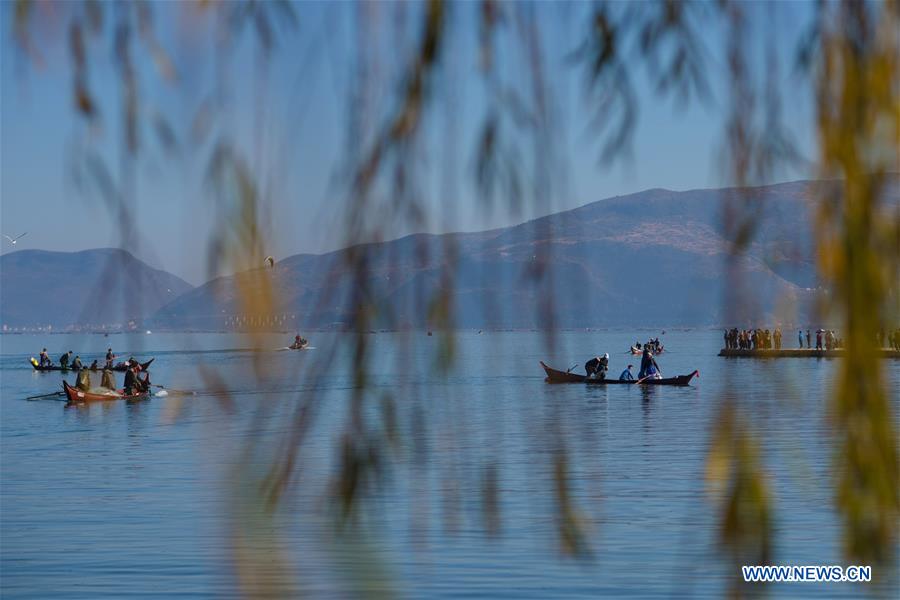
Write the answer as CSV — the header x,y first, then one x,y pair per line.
x,y
858,115
850,56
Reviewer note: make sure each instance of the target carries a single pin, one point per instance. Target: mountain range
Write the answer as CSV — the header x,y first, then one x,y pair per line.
x,y
654,258
101,288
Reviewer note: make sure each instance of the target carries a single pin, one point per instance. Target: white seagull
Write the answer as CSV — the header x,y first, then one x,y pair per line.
x,y
15,239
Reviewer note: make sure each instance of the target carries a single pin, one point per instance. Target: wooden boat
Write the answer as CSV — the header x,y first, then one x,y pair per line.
x,y
637,352
76,396
119,367
556,376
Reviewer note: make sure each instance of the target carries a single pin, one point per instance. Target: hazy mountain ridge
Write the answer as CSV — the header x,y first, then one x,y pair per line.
x,y
101,287
654,257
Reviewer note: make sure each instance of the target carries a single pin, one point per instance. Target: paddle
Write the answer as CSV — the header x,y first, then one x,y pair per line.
x,y
569,370
641,380
44,395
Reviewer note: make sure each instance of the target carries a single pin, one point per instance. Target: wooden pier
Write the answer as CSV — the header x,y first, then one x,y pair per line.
x,y
800,353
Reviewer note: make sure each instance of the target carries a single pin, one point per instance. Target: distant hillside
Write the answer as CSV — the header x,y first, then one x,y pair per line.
x,y
652,258
90,288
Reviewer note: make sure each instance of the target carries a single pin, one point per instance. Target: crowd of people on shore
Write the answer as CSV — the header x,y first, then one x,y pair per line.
x,y
753,339
889,339
763,339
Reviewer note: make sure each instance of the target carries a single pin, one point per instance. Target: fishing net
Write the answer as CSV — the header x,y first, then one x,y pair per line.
x,y
83,380
109,380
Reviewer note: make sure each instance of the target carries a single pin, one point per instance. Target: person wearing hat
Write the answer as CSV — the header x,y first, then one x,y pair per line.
x,y
592,366
626,374
596,367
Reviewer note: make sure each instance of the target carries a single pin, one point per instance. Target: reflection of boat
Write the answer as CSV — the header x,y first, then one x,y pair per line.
x,y
556,376
119,367
76,396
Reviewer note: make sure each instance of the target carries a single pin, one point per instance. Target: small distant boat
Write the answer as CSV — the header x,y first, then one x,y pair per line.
x,y
76,396
556,376
641,350
119,367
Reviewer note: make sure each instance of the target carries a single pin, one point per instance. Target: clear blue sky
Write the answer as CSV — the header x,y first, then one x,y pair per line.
x,y
288,116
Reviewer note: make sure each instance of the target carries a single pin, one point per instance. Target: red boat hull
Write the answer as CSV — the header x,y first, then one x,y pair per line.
x,y
76,396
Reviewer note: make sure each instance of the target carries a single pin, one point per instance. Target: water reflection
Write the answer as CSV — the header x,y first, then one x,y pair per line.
x,y
635,459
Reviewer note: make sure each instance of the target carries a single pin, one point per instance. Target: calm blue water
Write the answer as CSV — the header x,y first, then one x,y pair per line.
x,y
161,498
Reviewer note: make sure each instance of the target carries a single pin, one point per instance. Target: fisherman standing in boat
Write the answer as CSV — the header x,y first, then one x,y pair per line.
x,y
45,359
626,374
647,361
110,357
131,381
76,364
64,360
800,337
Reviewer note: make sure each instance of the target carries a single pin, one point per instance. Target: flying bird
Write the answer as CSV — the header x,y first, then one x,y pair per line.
x,y
270,262
15,239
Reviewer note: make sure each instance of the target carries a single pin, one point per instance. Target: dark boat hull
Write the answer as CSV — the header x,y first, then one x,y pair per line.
x,y
556,376
76,396
119,368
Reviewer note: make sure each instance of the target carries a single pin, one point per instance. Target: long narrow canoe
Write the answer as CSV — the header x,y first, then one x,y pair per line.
x,y
76,396
556,376
119,367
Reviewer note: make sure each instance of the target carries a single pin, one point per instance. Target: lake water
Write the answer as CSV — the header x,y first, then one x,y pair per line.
x,y
161,498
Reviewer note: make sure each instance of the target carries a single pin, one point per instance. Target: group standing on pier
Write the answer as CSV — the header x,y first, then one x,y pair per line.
x,y
889,339
753,339
763,339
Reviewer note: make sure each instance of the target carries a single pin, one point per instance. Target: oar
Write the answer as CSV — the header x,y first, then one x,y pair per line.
x,y
569,370
648,376
44,395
